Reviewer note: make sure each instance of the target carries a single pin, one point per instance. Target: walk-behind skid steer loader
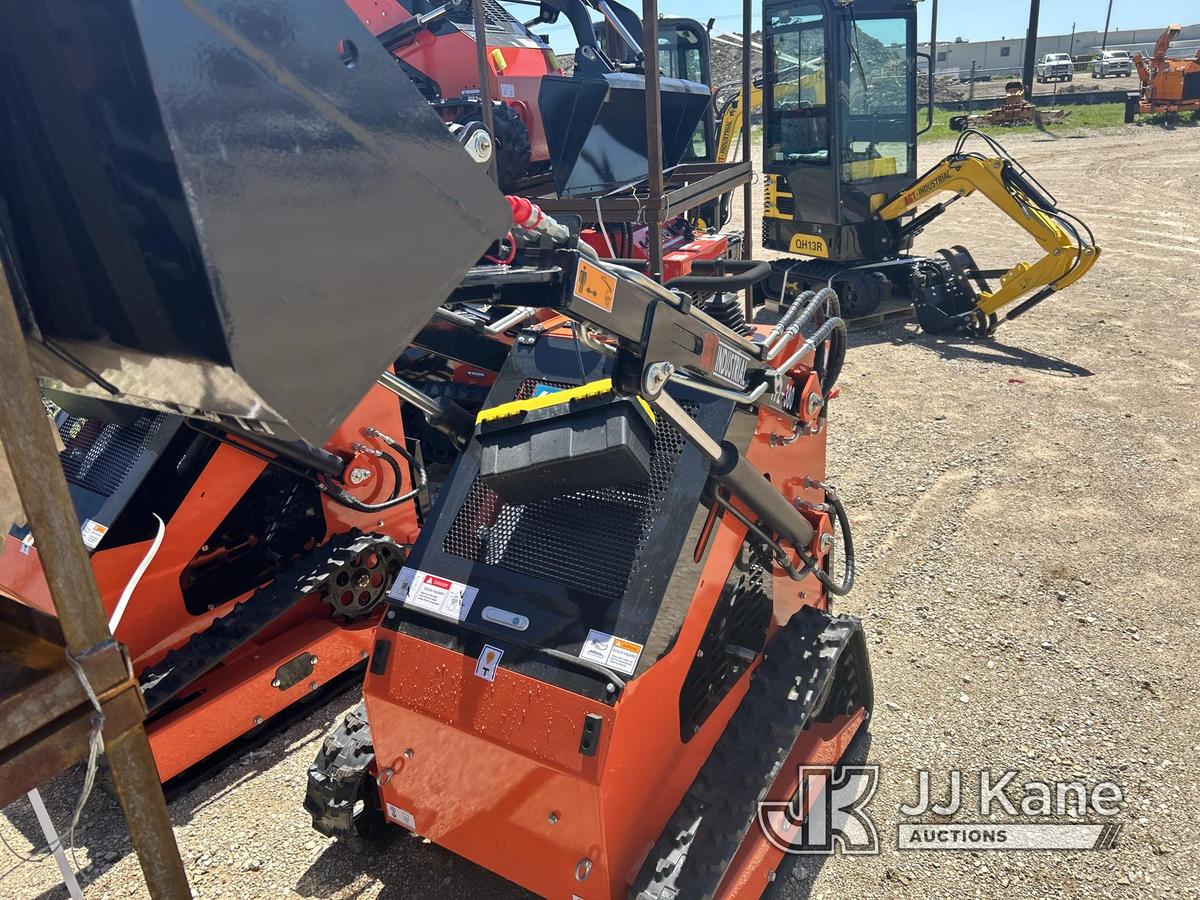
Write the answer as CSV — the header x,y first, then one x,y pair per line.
x,y
198,219
587,129
615,635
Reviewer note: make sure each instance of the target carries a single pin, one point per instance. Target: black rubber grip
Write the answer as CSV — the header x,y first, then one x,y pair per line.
x,y
744,273
736,473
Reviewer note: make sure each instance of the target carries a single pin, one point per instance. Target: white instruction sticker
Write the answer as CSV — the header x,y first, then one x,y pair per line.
x,y
401,817
507,91
434,594
92,533
488,662
616,653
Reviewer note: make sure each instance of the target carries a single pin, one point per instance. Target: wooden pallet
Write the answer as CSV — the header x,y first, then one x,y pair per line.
x,y
892,310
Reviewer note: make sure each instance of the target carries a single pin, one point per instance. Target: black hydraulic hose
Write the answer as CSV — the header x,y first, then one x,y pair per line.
x,y
831,368
340,495
842,588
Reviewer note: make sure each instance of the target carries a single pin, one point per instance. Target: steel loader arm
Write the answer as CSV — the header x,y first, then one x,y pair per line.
x,y
1069,253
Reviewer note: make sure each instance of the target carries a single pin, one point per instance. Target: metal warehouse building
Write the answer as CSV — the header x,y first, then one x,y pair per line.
x,y
1006,55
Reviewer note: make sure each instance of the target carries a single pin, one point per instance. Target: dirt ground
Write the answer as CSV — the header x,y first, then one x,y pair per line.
x,y
1083,83
1026,513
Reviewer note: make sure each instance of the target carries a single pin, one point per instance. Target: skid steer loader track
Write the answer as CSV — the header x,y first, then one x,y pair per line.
x,y
794,685
306,575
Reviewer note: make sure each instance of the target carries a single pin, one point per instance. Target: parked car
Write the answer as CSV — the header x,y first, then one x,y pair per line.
x,y
1055,67
1112,62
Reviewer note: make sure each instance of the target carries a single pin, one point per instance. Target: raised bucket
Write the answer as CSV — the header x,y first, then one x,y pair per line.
x,y
596,127
225,209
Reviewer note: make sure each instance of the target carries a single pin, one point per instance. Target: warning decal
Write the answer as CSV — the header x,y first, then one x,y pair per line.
x,y
402,817
433,594
594,286
616,653
92,533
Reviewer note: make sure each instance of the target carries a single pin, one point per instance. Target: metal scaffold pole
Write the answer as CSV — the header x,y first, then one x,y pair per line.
x,y
42,489
747,198
654,153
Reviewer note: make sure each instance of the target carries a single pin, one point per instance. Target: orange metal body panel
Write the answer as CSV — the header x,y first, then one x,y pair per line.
x,y
822,744
238,696
230,698
483,767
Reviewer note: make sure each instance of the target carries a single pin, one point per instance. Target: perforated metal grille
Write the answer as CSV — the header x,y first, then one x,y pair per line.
x,y
494,15
98,456
589,541
739,620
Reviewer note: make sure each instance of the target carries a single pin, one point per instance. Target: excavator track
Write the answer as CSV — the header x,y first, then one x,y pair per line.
x,y
312,573
860,292
815,666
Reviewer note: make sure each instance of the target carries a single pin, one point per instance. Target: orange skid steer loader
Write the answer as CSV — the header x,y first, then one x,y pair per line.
x,y
614,637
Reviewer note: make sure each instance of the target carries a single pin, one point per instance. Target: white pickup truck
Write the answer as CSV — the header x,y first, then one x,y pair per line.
x,y
1055,67
1112,62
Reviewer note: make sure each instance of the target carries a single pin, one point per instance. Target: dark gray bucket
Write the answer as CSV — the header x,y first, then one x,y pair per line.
x,y
596,127
224,208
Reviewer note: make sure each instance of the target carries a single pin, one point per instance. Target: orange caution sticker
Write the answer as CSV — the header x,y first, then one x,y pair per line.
x,y
595,286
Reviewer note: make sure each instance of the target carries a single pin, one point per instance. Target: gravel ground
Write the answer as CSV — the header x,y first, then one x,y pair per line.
x,y
1026,511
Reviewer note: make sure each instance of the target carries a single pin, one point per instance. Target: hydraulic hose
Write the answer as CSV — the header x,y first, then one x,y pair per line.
x,y
823,297
340,495
839,589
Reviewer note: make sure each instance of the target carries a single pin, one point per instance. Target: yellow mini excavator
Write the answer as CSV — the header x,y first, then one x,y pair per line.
x,y
838,94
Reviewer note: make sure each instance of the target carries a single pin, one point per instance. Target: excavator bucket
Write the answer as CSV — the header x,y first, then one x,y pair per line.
x,y
596,127
215,210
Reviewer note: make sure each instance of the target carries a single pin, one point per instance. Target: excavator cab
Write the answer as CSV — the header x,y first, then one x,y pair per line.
x,y
839,111
839,98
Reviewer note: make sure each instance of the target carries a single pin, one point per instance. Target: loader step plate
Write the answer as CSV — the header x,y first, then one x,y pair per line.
x,y
800,680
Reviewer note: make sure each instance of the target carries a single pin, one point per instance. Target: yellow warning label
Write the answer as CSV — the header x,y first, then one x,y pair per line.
x,y
809,245
594,286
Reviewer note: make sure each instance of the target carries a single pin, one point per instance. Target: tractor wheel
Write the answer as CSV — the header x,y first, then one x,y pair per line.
x,y
512,143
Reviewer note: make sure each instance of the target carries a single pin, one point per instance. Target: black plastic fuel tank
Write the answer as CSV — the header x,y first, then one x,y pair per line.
x,y
226,208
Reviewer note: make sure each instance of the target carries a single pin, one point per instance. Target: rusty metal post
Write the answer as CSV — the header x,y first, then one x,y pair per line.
x,y
43,492
485,81
654,158
747,114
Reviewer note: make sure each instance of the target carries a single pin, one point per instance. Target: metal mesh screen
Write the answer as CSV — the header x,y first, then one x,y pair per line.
x,y
98,456
589,541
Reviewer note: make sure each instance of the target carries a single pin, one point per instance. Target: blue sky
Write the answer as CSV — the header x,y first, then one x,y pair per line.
x,y
970,19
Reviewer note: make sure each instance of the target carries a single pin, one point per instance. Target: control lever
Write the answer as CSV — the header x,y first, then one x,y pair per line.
x,y
738,475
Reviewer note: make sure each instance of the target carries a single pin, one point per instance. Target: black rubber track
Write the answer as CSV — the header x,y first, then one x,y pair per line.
x,y
815,668
340,778
203,651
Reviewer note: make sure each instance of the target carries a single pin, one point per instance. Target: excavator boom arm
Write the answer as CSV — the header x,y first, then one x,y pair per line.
x,y
1068,253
